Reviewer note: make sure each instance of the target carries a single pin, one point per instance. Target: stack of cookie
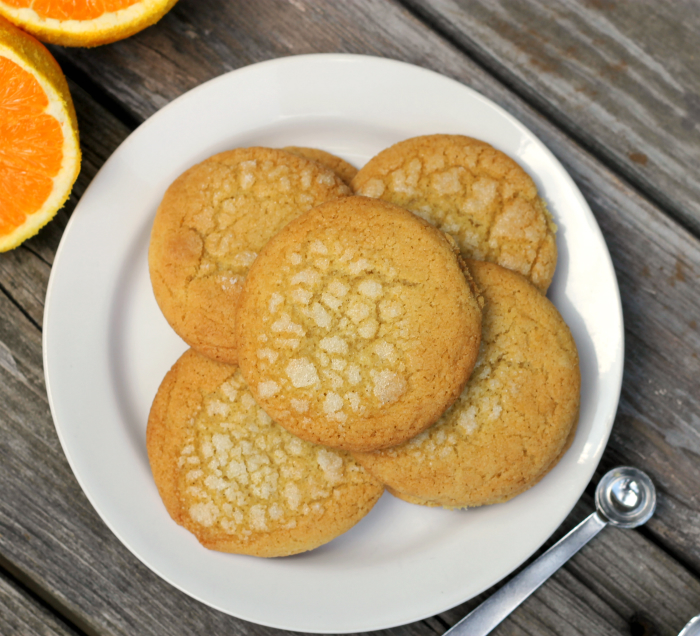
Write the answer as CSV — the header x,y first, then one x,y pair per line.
x,y
351,332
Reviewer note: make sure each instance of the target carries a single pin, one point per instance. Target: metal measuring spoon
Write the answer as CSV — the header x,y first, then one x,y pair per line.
x,y
692,628
625,497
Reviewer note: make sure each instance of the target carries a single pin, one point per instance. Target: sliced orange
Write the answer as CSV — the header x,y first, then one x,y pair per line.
x,y
84,22
39,148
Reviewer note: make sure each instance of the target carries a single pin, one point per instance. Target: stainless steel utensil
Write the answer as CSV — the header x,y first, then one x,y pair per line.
x,y
625,497
692,628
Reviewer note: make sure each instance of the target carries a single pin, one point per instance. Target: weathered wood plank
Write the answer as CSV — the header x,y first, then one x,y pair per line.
x,y
24,277
47,528
621,77
22,615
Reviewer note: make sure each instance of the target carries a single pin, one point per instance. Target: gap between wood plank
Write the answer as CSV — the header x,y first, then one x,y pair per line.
x,y
93,89
652,538
494,68
35,253
48,602
22,309
442,621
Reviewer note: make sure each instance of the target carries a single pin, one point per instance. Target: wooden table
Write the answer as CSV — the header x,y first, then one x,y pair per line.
x,y
613,89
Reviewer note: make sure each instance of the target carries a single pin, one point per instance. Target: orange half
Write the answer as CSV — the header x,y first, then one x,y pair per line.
x,y
39,148
83,22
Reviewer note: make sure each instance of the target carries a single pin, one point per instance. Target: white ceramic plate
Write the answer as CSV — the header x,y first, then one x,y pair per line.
x,y
107,347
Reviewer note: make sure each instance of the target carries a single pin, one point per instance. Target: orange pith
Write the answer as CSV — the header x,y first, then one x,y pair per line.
x,y
71,9
31,146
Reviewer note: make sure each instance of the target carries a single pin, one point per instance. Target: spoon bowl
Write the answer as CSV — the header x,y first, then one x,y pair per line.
x,y
625,497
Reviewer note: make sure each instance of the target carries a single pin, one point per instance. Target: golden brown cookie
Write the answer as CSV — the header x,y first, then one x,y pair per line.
x,y
357,326
341,167
516,416
238,481
464,186
211,224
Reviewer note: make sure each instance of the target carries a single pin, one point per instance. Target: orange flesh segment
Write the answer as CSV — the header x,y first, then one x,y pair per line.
x,y
20,192
17,93
72,9
31,146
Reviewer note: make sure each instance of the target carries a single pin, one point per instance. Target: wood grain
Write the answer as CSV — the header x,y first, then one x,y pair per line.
x,y
49,531
623,78
22,615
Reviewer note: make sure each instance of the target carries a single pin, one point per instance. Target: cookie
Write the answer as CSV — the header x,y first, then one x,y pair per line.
x,y
238,481
211,224
464,186
516,416
357,326
341,167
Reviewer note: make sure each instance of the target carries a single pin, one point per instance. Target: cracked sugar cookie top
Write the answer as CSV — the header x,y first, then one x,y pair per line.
x,y
476,193
357,326
209,228
341,167
238,481
516,416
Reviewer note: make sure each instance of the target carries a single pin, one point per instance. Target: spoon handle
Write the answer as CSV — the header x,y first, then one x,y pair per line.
x,y
497,607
